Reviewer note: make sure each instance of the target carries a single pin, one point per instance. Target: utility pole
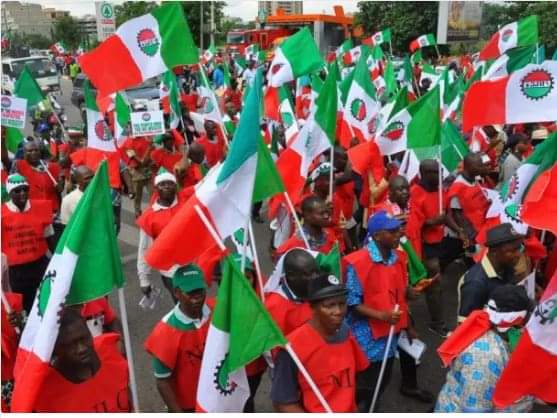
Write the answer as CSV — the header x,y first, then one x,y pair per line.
x,y
212,22
201,25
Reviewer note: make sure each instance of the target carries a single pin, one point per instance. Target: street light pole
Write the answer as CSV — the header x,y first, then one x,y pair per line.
x,y
201,25
212,23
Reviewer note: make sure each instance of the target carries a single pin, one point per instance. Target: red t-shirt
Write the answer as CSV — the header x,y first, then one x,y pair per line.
x,y
164,158
41,185
138,146
214,149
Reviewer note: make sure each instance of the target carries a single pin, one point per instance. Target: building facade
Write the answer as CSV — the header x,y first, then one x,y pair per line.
x,y
288,7
29,18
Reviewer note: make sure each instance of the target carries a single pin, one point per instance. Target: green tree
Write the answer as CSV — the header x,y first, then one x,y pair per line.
x,y
407,20
67,29
130,9
495,15
192,11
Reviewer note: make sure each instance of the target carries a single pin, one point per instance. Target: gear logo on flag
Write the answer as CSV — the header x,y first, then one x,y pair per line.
x,y
6,102
509,189
148,42
537,84
505,36
206,105
44,291
513,212
222,383
146,117
101,130
287,119
394,131
377,38
358,109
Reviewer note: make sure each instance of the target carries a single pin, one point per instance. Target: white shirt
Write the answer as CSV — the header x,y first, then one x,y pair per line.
x,y
69,203
145,241
248,76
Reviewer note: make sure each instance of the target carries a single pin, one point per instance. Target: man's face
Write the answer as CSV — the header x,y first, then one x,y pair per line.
x,y
168,143
388,238
330,312
191,303
32,152
167,190
210,128
318,215
321,184
340,160
20,195
507,255
400,193
74,345
84,179
430,174
476,167
230,109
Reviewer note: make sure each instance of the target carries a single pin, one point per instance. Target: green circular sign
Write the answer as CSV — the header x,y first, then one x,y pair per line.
x,y
262,16
107,11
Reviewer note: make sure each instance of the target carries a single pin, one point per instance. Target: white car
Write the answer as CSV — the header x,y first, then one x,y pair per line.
x,y
42,69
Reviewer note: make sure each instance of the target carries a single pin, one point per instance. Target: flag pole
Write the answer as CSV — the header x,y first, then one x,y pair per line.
x,y
66,135
391,48
296,219
331,173
128,345
437,50
210,228
383,364
43,165
9,309
440,183
308,378
256,261
245,246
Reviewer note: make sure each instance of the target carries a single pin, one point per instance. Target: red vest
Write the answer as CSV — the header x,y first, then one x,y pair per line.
x,y
193,175
294,242
214,150
140,146
164,158
181,351
287,314
332,367
153,222
345,197
383,286
23,238
424,205
106,391
190,101
472,200
41,186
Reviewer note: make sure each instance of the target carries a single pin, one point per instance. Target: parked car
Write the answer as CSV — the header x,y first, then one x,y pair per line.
x,y
137,96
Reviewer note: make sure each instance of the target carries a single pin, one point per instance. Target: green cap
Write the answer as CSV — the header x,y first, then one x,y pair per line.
x,y
189,278
158,139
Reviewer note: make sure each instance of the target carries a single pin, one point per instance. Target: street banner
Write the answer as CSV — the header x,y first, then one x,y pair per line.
x,y
147,123
14,111
459,21
106,20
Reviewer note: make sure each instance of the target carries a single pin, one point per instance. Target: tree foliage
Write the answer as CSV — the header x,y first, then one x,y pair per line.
x,y
495,15
407,20
192,10
130,9
67,29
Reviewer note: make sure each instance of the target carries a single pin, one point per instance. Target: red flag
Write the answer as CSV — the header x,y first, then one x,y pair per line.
x,y
532,367
539,208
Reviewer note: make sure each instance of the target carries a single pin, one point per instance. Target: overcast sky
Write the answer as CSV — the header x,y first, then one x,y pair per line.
x,y
246,9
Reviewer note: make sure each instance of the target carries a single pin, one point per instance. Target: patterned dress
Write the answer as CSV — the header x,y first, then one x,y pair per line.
x,y
472,377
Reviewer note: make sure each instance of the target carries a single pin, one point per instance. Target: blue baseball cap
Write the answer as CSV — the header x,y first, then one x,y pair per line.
x,y
381,221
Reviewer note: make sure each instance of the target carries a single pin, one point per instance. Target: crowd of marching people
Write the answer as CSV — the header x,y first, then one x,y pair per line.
x,y
393,238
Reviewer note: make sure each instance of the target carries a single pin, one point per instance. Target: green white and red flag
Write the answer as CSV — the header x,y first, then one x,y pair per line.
x,y
416,126
296,56
405,77
526,95
209,53
361,103
352,56
539,207
169,91
141,48
532,367
209,105
344,48
99,136
241,330
521,33
224,196
378,38
511,61
421,41
122,117
73,276
59,48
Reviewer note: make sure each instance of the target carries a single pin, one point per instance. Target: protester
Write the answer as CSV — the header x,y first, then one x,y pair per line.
x,y
137,152
83,176
495,269
515,148
178,340
478,351
212,143
86,374
327,350
27,236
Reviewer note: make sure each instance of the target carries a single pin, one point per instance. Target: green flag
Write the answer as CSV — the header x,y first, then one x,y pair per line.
x,y
416,270
13,138
330,263
327,102
267,179
453,146
27,87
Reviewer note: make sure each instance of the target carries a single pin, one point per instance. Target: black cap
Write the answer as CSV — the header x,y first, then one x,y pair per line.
x,y
501,234
511,298
325,286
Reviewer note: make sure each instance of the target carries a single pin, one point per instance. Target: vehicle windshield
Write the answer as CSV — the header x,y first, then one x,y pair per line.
x,y
39,67
235,38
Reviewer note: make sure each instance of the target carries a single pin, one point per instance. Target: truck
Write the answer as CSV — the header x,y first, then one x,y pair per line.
x,y
42,69
329,31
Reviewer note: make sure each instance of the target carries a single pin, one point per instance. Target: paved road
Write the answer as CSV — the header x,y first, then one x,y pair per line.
x,y
430,373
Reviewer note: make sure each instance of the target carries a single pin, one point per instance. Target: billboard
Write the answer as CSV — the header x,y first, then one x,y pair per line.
x,y
106,20
459,21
